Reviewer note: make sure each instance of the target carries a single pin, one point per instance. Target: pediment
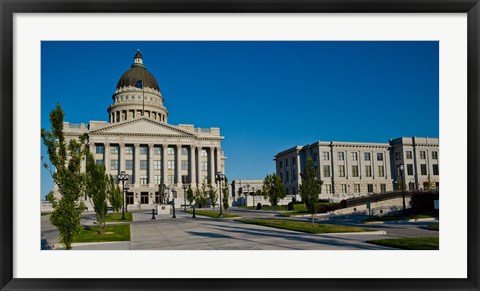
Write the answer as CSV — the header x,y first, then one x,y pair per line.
x,y
142,127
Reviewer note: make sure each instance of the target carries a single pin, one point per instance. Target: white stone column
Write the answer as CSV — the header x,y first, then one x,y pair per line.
x,y
192,167
211,165
164,163
121,157
218,157
151,180
199,165
136,169
178,165
106,157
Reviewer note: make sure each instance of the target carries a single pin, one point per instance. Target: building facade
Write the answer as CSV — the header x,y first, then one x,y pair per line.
x,y
349,169
137,139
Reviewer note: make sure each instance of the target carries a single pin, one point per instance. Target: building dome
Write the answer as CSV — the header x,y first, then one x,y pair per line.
x,y
138,72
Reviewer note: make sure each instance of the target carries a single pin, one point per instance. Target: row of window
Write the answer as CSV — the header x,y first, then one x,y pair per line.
x,y
423,170
129,149
132,97
340,157
157,165
409,155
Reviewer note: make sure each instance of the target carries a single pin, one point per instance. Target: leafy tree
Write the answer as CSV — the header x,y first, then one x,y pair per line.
x,y
212,193
97,188
65,158
190,195
225,193
273,189
310,189
115,195
202,197
428,184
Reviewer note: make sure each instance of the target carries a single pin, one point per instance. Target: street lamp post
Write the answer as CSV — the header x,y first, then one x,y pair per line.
x,y
246,194
253,197
174,193
403,188
219,179
122,177
185,187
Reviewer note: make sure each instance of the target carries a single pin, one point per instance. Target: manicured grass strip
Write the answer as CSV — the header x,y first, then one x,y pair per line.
x,y
409,243
213,214
112,233
304,226
433,226
117,217
396,217
45,213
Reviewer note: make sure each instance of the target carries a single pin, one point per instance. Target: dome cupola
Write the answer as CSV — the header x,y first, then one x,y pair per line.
x,y
138,72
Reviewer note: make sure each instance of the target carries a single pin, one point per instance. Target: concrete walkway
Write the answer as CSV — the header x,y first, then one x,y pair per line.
x,y
203,233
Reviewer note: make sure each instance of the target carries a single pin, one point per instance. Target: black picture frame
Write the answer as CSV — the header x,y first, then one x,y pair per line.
x,y
9,7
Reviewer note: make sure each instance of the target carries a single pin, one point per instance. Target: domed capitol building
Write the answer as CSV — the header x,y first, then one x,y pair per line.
x,y
137,139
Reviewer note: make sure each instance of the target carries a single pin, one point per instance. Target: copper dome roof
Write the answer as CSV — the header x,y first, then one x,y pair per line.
x,y
138,72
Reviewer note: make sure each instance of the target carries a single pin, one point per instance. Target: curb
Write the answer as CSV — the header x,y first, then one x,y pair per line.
x,y
377,232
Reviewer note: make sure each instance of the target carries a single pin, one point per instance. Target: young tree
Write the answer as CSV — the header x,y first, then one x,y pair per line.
x,y
429,184
190,195
115,195
310,189
203,195
198,197
97,188
273,189
225,193
65,157
212,194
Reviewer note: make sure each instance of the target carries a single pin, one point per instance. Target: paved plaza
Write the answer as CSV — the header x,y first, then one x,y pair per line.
x,y
204,233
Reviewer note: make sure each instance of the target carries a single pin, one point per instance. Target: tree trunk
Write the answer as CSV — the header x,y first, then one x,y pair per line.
x,y
313,220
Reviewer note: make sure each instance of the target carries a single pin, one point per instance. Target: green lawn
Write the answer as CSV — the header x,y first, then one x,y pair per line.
x,y
433,226
410,243
304,226
112,233
397,217
213,214
116,217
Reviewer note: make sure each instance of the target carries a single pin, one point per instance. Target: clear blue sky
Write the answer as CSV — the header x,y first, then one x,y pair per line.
x,y
265,96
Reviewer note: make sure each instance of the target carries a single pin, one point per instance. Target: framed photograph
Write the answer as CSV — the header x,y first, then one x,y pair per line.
x,y
202,127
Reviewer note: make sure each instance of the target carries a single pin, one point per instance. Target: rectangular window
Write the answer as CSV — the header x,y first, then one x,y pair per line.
x,y
286,163
114,164
143,150
143,180
379,156
157,165
114,150
128,164
354,156
410,169
99,162
341,156
435,155
409,155
157,150
381,171
435,169
171,165
370,188
99,149
355,171
129,149
184,165
144,198
157,179
356,188
281,165
341,171
288,176
344,188
411,186
171,151
326,156
143,165
204,166
131,179
315,157
293,175
326,171
328,189
366,156
368,171
293,161
171,179
184,151
203,153
423,169
423,155
383,188
398,156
